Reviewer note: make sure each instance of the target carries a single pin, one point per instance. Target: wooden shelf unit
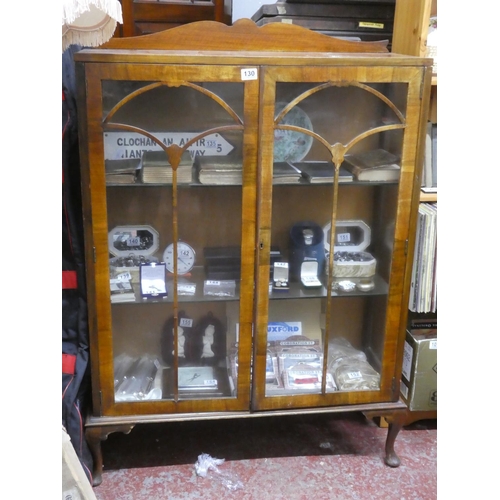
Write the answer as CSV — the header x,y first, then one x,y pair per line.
x,y
411,24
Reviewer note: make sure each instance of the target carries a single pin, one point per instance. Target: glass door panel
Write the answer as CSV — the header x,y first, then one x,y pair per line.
x,y
174,177
328,291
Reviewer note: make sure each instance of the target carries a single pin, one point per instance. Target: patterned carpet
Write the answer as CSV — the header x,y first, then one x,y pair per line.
x,y
292,457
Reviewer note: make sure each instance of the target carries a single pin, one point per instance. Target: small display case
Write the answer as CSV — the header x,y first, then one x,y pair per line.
x,y
350,260
280,276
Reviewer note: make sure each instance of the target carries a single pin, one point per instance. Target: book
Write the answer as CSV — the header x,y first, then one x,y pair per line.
x,y
121,290
218,170
318,172
157,169
285,173
377,165
122,171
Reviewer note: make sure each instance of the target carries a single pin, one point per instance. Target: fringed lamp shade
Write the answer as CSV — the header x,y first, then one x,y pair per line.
x,y
89,23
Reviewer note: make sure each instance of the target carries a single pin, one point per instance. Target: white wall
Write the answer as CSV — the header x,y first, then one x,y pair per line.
x,y
247,8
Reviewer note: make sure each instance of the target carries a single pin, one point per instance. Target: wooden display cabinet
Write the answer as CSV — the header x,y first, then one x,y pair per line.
x,y
229,341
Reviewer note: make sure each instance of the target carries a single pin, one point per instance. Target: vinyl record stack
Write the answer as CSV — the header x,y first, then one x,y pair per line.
x,y
361,20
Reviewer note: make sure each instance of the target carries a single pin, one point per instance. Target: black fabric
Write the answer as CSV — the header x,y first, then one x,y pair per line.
x,y
75,337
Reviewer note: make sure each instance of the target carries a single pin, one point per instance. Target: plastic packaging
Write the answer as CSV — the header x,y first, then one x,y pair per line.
x,y
339,350
137,382
357,375
350,367
206,466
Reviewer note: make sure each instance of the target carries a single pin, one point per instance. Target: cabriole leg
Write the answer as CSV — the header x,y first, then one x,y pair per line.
x,y
94,436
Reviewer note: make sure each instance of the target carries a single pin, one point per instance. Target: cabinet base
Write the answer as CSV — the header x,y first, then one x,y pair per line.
x,y
97,429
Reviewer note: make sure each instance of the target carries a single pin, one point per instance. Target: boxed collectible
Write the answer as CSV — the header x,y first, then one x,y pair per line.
x,y
306,245
290,355
419,380
302,377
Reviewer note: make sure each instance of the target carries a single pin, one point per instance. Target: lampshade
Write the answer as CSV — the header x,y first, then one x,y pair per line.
x,y
89,23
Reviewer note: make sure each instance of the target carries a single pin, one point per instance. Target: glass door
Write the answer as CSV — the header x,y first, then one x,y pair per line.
x,y
329,284
178,173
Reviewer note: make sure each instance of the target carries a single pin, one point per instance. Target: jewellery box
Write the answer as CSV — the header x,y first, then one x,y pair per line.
x,y
130,247
352,238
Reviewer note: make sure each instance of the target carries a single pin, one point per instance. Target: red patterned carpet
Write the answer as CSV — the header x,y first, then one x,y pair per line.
x,y
272,458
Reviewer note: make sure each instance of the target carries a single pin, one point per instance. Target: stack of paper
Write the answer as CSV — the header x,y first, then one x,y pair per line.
x,y
218,170
156,168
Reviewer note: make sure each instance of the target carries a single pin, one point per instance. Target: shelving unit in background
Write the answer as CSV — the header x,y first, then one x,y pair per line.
x,y
411,26
143,17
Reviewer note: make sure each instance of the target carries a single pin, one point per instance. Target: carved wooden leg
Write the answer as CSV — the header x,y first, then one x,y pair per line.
x,y
94,436
391,459
395,421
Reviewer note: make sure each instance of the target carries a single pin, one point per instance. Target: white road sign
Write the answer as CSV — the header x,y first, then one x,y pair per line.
x,y
123,145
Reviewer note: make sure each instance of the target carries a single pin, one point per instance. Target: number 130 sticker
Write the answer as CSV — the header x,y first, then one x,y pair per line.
x,y
249,74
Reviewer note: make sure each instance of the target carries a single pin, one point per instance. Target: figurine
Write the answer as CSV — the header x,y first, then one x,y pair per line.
x,y
209,343
185,353
208,340
181,340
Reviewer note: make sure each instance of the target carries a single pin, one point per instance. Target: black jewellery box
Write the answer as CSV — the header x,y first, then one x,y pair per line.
x,y
306,246
224,262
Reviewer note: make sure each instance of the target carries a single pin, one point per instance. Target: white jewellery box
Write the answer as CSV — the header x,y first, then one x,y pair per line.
x,y
350,260
309,274
130,247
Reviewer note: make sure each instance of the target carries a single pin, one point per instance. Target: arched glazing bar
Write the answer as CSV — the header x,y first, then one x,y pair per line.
x,y
337,151
174,154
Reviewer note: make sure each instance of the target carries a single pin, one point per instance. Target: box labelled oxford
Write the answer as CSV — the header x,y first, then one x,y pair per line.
x,y
419,376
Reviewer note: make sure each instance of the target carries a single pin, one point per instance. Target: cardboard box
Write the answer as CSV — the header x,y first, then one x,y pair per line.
x,y
75,485
419,376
